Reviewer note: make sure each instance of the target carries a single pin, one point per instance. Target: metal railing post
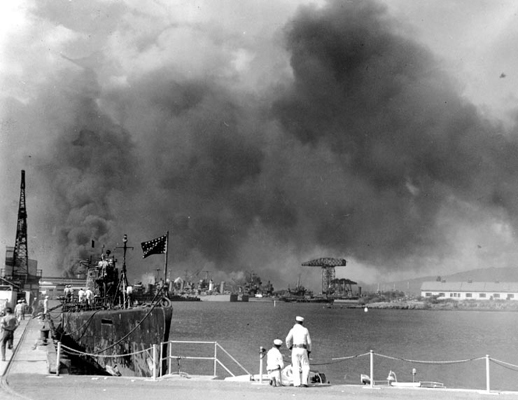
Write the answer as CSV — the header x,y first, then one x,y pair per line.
x,y
154,361
161,359
261,355
215,357
170,351
488,378
58,355
372,368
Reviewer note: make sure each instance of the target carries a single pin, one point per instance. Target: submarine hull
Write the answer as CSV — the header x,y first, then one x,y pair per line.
x,y
118,341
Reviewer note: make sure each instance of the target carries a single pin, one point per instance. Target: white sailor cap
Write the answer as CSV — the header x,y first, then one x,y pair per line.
x,y
299,319
277,342
19,301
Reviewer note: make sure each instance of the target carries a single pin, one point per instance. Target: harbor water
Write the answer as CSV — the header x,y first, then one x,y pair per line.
x,y
405,336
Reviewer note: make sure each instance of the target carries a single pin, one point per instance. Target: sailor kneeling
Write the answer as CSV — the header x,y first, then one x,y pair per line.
x,y
275,363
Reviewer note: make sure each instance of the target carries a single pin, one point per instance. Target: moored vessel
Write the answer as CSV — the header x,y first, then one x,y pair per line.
x,y
225,297
108,329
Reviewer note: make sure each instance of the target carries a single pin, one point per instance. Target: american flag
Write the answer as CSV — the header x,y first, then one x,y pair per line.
x,y
155,246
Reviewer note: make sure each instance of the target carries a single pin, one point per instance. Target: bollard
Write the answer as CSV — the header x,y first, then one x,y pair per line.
x,y
44,335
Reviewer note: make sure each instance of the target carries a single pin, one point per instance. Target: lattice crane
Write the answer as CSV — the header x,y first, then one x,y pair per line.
x,y
21,252
19,271
328,265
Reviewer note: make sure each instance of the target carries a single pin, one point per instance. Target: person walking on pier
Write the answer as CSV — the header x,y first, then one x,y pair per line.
x,y
299,342
275,363
9,323
45,307
25,308
19,311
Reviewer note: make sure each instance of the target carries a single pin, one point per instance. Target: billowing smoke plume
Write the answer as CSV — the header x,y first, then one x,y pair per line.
x,y
402,146
347,141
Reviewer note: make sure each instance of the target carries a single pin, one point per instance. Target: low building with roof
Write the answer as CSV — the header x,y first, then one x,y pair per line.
x,y
54,287
470,290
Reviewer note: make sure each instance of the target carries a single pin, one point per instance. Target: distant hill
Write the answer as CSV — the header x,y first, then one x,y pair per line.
x,y
413,286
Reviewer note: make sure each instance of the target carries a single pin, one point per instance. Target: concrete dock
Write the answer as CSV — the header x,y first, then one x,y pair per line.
x,y
27,375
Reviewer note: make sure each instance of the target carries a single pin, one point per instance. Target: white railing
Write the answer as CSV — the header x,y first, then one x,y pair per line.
x,y
214,357
487,359
160,359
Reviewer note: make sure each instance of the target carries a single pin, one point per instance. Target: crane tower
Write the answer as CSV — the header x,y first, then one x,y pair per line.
x,y
21,253
19,270
327,264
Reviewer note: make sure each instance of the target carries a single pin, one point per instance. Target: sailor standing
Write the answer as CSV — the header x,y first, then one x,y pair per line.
x,y
89,296
275,363
82,295
299,342
68,293
129,294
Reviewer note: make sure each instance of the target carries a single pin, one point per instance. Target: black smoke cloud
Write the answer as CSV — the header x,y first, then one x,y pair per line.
x,y
91,162
395,124
364,150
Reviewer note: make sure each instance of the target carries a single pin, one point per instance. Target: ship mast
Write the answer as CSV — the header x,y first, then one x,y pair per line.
x,y
124,278
166,251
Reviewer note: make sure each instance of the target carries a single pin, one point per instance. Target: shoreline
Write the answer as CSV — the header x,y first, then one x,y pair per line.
x,y
439,306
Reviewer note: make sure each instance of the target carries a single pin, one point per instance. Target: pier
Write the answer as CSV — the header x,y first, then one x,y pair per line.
x,y
30,373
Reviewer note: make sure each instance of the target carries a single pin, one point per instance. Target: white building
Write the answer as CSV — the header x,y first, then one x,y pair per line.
x,y
471,290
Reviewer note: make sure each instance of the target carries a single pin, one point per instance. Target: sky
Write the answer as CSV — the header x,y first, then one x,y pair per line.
x,y
262,134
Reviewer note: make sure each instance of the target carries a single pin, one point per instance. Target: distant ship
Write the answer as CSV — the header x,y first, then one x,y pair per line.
x,y
114,332
302,295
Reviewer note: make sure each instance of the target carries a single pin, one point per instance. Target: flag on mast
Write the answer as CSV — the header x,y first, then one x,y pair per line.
x,y
155,246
